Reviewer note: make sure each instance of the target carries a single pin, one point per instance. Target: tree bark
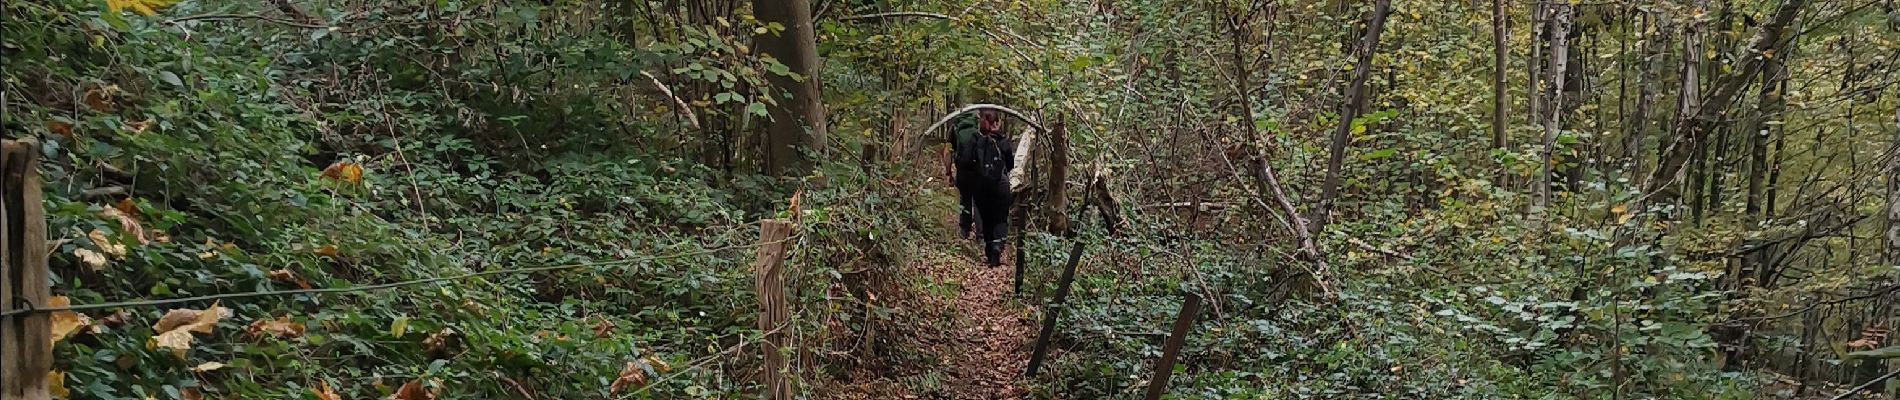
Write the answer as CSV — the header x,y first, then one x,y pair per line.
x,y
798,124
1356,93
1651,85
1559,24
1499,36
1694,122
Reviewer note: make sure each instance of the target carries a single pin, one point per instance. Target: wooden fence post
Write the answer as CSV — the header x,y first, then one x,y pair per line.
x,y
1170,351
769,272
26,340
1054,309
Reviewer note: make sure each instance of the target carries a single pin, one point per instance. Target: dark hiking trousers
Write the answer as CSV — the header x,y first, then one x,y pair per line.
x,y
990,204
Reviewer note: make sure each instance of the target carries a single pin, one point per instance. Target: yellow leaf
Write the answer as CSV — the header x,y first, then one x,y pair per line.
x,y
56,384
323,392
66,322
208,366
344,171
127,223
328,250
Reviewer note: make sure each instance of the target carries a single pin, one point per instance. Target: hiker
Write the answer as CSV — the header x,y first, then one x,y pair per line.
x,y
983,157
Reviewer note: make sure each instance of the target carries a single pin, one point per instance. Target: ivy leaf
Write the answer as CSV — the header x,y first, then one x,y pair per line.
x,y
756,109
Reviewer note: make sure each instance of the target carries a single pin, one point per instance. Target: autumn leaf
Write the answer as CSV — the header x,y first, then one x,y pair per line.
x,y
285,276
279,328
328,250
323,392
56,384
143,7
175,328
603,329
105,243
208,366
190,394
344,171
413,391
90,258
60,127
127,223
66,322
631,375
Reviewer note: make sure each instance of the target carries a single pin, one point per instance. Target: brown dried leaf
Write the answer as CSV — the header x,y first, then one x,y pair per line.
x,y
279,328
127,223
631,375
290,278
413,391
603,329
175,328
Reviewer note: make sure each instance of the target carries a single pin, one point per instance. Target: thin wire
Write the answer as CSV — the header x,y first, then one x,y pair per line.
x,y
145,303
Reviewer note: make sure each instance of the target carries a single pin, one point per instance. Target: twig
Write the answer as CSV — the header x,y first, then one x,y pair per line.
x,y
684,110
897,14
973,107
223,17
1869,384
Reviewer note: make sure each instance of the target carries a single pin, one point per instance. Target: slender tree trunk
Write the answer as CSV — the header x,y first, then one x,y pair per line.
x,y
1500,58
1559,24
1695,122
1650,86
1769,105
798,122
1356,92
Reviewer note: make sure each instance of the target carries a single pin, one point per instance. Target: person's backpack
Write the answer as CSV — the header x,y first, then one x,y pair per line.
x,y
982,156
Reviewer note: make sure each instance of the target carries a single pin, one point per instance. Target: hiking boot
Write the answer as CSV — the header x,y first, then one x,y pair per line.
x,y
993,251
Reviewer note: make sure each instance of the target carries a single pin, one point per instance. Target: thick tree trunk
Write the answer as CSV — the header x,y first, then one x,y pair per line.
x,y
1356,94
1694,122
1559,25
798,122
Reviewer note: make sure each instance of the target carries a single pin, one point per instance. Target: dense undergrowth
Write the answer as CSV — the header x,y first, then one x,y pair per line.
x,y
201,148
228,155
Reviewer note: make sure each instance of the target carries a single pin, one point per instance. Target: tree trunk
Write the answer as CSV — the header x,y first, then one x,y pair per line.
x,y
798,122
1694,122
1651,85
1559,24
1356,93
1768,107
1499,35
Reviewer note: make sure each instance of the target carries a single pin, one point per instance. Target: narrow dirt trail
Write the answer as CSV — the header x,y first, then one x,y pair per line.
x,y
993,333
978,350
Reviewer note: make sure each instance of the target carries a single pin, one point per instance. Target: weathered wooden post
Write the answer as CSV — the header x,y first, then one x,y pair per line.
x,y
769,274
1054,309
26,340
1171,351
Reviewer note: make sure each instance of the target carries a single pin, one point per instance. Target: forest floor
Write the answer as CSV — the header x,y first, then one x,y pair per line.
x,y
979,355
